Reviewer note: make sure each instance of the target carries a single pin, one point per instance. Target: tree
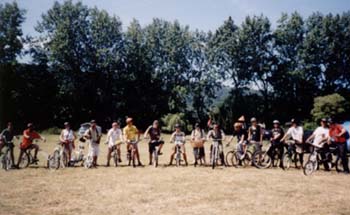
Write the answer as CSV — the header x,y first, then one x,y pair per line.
x,y
333,105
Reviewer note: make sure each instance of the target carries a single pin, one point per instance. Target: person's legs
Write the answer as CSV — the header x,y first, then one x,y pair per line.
x,y
2,144
150,151
183,149
109,156
161,143
21,152
137,154
342,155
202,154
195,155
172,155
36,149
119,153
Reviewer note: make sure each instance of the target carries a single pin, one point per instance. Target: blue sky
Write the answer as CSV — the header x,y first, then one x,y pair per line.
x,y
198,14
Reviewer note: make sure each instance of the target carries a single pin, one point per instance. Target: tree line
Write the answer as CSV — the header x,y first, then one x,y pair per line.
x,y
83,65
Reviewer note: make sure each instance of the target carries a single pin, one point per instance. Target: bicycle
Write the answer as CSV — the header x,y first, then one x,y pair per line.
x,y
59,157
78,156
315,160
178,152
131,156
216,153
155,152
27,158
234,157
262,159
197,153
292,155
6,161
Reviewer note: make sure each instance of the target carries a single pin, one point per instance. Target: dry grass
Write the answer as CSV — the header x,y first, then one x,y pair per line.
x,y
170,190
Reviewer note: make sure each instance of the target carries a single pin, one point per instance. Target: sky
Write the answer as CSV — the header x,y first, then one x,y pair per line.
x,y
198,14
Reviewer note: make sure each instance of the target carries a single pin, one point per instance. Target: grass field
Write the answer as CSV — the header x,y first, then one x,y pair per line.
x,y
170,190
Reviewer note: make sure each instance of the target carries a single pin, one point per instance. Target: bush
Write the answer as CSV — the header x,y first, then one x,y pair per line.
x,y
53,130
333,105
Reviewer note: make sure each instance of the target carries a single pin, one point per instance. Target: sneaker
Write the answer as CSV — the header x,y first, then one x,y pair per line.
x,y
160,153
119,160
140,164
150,163
107,165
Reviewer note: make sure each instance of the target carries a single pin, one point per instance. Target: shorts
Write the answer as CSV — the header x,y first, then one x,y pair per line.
x,y
68,146
201,151
94,149
25,148
153,145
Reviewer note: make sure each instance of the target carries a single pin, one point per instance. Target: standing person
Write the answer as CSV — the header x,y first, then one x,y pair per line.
x,y
132,137
277,134
27,143
94,134
6,139
337,135
178,136
67,138
217,134
296,133
114,140
242,138
154,134
198,138
255,134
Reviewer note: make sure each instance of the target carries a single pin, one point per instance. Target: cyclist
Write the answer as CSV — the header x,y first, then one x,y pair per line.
x,y
277,134
67,139
94,134
131,137
242,138
337,136
319,137
295,132
255,134
6,139
217,134
154,133
178,135
198,138
27,143
114,139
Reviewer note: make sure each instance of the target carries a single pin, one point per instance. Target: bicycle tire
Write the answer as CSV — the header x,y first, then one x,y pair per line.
x,y
213,161
309,168
229,158
286,161
155,158
133,158
24,161
54,160
262,160
115,159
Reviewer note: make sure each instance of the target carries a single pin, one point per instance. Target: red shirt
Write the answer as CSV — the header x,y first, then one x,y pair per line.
x,y
28,141
334,131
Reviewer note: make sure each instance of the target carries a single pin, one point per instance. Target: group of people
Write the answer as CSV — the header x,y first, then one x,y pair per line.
x,y
328,133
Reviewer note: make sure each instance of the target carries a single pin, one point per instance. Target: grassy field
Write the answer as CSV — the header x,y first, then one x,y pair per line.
x,y
170,190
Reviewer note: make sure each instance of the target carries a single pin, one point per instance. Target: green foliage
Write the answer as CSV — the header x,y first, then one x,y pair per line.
x,y
333,105
170,120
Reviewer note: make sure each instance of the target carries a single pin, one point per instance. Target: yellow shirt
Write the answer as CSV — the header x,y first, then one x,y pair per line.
x,y
130,132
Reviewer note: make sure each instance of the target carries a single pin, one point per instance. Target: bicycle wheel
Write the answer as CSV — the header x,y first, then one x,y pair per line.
x,y
25,160
286,161
213,158
155,158
64,160
247,161
53,161
310,167
262,160
230,158
133,158
115,158
88,162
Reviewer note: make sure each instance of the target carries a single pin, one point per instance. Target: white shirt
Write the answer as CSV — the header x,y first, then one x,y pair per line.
x,y
296,133
320,134
68,134
198,135
113,136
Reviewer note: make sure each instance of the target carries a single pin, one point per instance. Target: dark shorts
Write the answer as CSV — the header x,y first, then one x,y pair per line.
x,y
200,151
153,145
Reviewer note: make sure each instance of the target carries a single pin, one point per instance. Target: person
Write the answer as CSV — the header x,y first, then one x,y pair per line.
x,y
198,138
114,140
255,134
217,134
242,138
277,134
296,133
154,134
319,137
178,136
6,139
94,134
337,136
67,138
131,138
27,143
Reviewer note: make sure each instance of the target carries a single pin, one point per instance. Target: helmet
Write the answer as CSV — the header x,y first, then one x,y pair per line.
x,y
30,125
276,122
177,125
129,119
253,119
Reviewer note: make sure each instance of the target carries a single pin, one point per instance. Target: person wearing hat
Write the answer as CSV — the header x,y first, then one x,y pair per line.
x,y
6,139
27,143
198,138
337,136
178,136
67,138
131,138
94,134
255,132
242,138
217,134
154,134
295,133
114,139
277,134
